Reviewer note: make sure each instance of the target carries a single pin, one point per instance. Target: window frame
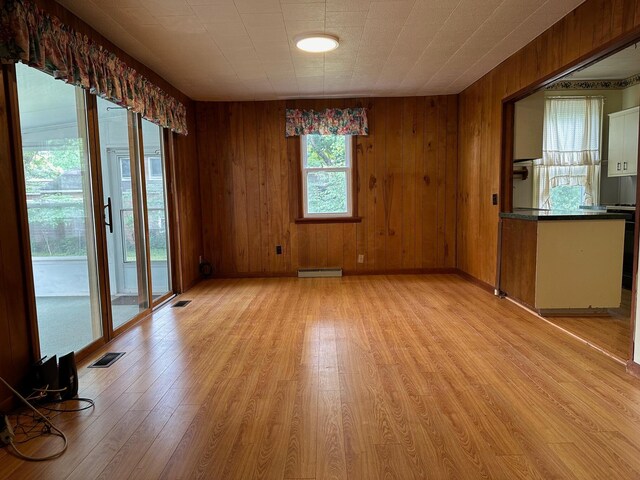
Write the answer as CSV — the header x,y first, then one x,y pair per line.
x,y
122,159
351,173
150,166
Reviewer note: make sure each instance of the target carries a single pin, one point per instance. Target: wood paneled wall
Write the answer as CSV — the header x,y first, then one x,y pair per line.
x,y
187,191
406,176
593,26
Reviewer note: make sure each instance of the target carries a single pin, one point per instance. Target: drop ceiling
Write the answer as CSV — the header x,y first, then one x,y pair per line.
x,y
244,49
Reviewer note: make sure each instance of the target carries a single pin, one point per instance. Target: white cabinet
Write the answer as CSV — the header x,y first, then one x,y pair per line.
x,y
623,142
528,127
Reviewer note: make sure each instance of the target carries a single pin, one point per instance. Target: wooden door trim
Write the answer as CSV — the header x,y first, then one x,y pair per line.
x,y
13,115
633,367
102,254
173,217
142,180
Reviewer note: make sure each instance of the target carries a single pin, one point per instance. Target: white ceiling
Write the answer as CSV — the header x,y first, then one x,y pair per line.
x,y
618,66
243,49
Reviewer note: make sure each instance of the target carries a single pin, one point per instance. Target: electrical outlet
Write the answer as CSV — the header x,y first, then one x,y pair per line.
x,y
278,249
6,432
361,258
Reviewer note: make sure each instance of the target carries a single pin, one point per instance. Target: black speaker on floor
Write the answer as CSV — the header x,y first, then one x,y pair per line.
x,y
68,376
45,376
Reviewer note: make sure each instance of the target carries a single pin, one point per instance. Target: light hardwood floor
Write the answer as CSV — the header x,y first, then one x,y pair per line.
x,y
611,333
358,377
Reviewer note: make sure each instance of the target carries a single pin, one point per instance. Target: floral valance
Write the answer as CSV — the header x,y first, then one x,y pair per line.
x,y
332,121
31,36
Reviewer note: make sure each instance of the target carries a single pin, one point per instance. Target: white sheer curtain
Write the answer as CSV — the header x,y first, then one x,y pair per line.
x,y
571,149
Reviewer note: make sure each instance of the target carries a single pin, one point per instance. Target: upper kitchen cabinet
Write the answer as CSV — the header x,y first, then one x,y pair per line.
x,y
623,142
528,127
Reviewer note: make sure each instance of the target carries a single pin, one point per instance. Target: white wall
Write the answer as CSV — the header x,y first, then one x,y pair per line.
x,y
631,97
523,189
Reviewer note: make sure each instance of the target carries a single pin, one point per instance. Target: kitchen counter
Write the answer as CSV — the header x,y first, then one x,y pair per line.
x,y
547,215
571,265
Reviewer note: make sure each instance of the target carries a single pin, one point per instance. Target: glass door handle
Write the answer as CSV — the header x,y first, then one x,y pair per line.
x,y
108,215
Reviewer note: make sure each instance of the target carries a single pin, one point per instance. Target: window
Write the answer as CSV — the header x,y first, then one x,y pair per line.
x,y
125,168
327,180
155,167
568,174
566,197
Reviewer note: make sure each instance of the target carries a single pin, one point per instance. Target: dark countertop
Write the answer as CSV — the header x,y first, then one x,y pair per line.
x,y
546,215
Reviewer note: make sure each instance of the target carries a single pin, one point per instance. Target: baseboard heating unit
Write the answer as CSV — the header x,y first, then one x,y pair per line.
x,y
319,272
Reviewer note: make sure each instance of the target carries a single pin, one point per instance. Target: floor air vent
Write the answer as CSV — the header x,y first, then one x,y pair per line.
x,y
106,360
319,272
181,303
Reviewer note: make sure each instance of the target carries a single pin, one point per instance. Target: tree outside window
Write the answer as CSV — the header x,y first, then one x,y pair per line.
x,y
326,175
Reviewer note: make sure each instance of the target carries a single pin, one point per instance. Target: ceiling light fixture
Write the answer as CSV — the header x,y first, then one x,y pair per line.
x,y
317,43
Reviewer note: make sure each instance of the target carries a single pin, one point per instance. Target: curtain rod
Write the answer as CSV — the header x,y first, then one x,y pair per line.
x,y
575,96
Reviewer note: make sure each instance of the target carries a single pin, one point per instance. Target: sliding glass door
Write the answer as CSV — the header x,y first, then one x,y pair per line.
x,y
126,250
86,162
55,157
156,208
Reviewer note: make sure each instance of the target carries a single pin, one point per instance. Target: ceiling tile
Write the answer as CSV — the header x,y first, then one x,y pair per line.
x,y
279,69
118,4
217,13
345,19
134,16
268,35
182,24
206,2
167,7
295,28
258,6
390,11
303,12
230,41
262,19
348,5
243,49
424,13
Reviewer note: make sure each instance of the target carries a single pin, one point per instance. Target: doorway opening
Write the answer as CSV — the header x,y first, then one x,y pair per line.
x,y
571,154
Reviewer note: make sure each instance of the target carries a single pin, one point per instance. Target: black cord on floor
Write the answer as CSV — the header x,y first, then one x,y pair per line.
x,y
33,423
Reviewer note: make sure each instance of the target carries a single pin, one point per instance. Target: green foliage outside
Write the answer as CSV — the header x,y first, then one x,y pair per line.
x,y
49,162
326,191
157,235
566,197
57,220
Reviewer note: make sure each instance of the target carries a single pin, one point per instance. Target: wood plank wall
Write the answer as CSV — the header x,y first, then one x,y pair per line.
x,y
407,174
187,181
589,28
